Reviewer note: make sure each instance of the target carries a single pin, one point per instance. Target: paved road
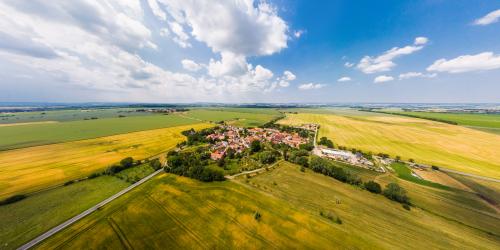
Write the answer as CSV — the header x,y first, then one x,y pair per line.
x,y
85,213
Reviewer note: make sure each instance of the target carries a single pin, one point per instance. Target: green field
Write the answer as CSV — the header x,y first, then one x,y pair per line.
x,y
175,212
26,219
427,142
485,122
40,134
247,117
67,115
404,172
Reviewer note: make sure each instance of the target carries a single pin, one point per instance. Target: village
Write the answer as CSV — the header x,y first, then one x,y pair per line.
x,y
239,139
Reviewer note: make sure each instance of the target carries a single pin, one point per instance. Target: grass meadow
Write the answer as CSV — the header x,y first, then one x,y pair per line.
x,y
427,142
176,212
47,133
30,169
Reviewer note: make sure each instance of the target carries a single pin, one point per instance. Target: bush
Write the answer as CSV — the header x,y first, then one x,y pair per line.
x,y
127,162
326,142
396,193
212,174
155,164
94,175
407,207
69,183
12,199
373,187
338,221
302,169
257,216
435,167
306,146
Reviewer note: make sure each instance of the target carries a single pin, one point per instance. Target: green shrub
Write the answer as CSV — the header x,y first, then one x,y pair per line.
x,y
373,187
394,192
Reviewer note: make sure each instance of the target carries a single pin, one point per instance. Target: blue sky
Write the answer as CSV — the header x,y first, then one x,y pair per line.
x,y
250,51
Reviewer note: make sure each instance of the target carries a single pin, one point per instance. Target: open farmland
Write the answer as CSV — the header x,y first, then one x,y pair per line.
x,y
485,122
175,212
34,168
428,142
247,117
47,133
442,220
67,115
26,219
172,212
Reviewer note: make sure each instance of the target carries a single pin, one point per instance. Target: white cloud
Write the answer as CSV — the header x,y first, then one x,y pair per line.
x,y
97,44
385,62
383,78
181,38
309,86
490,18
421,40
409,75
344,79
298,33
466,63
190,65
157,11
239,27
348,64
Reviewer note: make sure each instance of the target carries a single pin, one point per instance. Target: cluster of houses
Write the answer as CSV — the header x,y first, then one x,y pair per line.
x,y
238,139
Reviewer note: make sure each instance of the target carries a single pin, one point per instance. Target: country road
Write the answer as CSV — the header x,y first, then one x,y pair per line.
x,y
85,213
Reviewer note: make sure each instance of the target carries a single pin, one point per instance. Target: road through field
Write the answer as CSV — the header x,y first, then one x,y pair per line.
x,y
85,213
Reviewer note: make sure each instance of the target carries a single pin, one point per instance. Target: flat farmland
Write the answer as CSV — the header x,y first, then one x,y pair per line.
x,y
172,212
240,117
485,122
35,134
447,220
428,142
34,168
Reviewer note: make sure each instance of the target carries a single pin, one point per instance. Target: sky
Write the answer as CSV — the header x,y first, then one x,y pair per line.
x,y
280,51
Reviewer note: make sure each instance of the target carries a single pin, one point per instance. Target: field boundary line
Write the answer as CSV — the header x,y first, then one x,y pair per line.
x,y
80,216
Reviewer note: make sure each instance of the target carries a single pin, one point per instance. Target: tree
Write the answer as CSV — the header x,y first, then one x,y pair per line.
x,y
394,192
373,187
255,146
155,164
306,146
127,162
267,157
303,161
435,167
326,142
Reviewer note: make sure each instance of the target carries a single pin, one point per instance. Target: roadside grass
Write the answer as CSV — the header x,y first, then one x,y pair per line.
x,y
404,172
134,174
427,142
26,219
173,212
14,137
235,116
381,222
35,168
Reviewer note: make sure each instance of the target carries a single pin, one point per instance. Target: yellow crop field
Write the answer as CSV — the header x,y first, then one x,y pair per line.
x,y
35,168
428,142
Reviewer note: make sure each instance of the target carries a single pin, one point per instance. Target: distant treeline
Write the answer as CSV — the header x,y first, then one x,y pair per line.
x,y
410,115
